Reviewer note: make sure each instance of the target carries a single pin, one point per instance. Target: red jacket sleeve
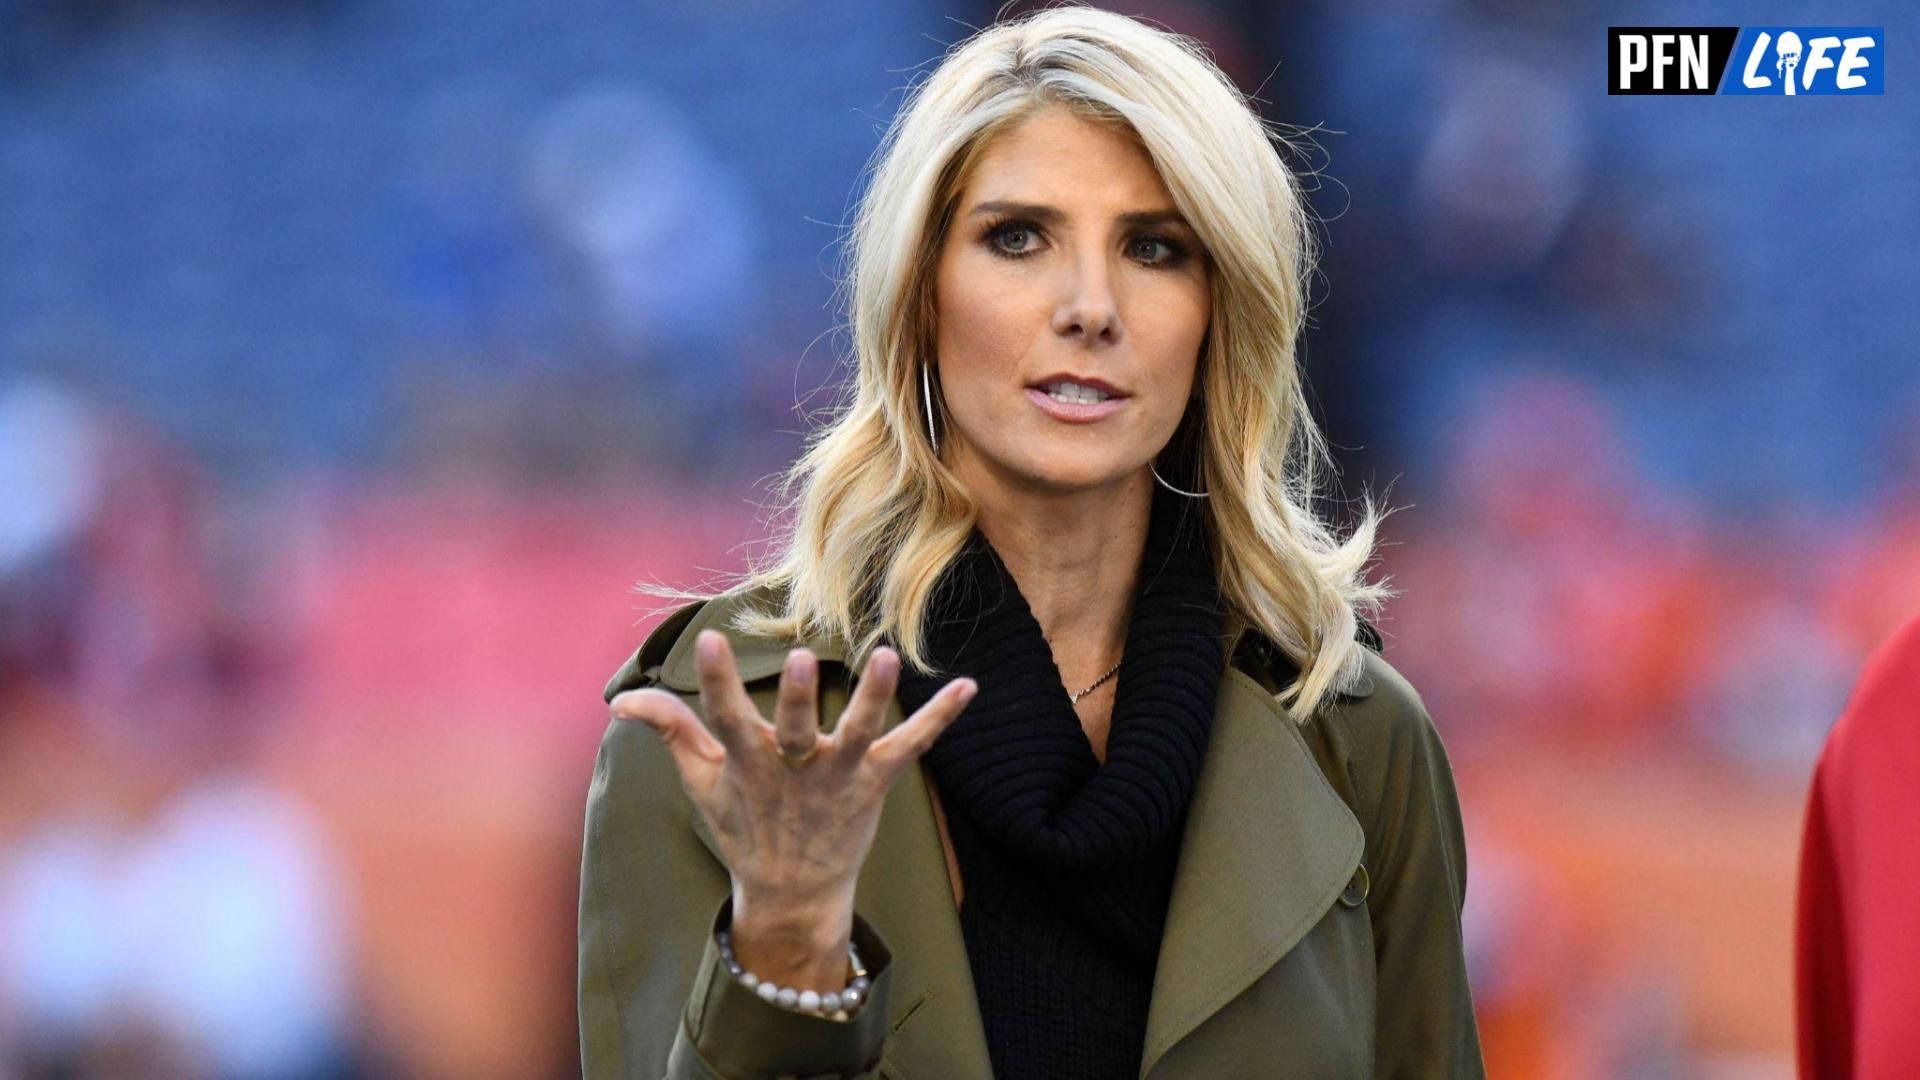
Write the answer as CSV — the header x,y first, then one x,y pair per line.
x,y
1857,921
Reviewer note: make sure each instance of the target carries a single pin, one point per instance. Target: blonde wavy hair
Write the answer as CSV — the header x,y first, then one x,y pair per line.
x,y
872,515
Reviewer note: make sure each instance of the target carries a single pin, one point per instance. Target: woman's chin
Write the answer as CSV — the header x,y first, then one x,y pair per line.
x,y
1063,470
1064,477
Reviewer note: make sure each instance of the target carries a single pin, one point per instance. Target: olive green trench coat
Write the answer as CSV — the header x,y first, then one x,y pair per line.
x,y
1314,930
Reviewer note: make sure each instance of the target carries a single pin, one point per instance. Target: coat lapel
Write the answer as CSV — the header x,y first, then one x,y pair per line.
x,y
1268,847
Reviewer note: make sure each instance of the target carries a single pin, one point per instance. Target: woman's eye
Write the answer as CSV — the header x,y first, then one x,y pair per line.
x,y
1143,248
1001,235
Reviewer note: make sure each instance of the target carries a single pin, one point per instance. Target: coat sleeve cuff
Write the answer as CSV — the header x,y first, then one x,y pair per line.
x,y
735,1033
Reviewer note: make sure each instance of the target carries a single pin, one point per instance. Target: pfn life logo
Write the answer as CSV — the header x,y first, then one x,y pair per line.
x,y
1782,60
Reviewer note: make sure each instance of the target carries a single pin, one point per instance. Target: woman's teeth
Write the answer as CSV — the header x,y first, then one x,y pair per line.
x,y
1074,392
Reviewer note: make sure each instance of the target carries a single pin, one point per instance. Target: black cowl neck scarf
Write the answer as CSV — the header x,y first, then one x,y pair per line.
x,y
1066,861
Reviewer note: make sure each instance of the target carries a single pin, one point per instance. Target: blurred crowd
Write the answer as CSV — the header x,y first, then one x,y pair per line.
x,y
349,353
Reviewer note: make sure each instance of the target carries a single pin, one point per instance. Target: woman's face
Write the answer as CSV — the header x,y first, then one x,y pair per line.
x,y
1065,259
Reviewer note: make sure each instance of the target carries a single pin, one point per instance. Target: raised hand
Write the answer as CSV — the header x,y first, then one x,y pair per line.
x,y
794,810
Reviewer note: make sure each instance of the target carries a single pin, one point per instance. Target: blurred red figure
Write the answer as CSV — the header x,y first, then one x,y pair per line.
x,y
1857,933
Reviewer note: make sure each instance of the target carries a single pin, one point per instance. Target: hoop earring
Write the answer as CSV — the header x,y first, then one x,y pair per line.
x,y
1175,490
1184,422
926,396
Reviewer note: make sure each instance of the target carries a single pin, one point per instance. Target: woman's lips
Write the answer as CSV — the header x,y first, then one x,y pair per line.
x,y
1074,412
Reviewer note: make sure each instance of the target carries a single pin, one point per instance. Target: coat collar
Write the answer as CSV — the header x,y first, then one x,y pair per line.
x,y
1268,848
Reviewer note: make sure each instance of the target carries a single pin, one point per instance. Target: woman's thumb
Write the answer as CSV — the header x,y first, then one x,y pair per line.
x,y
678,726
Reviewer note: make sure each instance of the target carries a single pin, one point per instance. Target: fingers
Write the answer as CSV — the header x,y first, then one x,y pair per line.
x,y
902,746
723,697
866,710
696,753
733,722
796,719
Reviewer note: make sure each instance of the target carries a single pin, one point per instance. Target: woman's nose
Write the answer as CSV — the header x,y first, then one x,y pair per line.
x,y
1089,305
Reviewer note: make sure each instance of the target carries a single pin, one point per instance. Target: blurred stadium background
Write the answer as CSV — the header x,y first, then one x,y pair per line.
x,y
350,350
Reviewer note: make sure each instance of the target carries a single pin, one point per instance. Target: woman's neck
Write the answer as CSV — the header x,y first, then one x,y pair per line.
x,y
1076,558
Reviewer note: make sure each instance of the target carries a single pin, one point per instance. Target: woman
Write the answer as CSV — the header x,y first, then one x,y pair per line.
x,y
1079,763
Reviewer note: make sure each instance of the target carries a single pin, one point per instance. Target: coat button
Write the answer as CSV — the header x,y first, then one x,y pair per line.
x,y
1356,892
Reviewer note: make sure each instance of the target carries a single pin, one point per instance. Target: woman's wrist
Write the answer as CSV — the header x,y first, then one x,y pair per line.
x,y
838,996
790,944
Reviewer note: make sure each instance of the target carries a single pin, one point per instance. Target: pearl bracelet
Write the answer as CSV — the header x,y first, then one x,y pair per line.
x,y
837,1005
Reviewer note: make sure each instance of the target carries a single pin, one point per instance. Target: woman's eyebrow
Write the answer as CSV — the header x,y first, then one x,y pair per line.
x,y
1048,215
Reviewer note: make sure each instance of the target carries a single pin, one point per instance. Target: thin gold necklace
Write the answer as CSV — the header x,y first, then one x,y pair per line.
x,y
1075,698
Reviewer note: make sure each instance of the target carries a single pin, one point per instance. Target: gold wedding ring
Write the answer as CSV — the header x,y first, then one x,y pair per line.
x,y
796,762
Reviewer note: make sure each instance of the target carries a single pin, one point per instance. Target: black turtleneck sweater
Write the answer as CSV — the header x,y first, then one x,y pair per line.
x,y
1067,861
